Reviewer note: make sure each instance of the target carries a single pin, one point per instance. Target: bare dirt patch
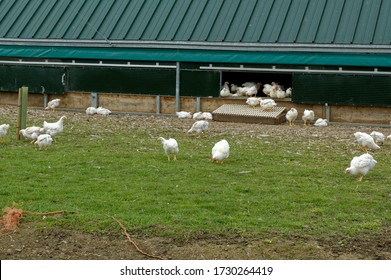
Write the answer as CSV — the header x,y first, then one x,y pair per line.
x,y
30,242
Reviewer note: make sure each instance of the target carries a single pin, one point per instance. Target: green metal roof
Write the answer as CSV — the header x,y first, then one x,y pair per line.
x,y
252,21
317,26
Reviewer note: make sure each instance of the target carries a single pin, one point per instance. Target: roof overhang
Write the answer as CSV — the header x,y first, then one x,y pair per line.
x,y
219,46
273,54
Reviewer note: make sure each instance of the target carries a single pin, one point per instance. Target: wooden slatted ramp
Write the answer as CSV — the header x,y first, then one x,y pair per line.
x,y
247,114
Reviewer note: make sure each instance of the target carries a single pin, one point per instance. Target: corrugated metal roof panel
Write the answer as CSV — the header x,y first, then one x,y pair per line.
x,y
248,21
186,19
329,23
311,20
46,28
240,23
257,21
367,22
383,26
173,20
348,22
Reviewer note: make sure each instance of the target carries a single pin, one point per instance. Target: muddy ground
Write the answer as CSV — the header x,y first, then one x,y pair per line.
x,y
31,241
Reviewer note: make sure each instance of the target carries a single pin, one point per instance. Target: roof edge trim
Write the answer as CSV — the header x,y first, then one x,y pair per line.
x,y
220,46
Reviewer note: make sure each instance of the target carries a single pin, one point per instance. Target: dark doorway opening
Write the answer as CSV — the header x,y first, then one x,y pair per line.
x,y
238,78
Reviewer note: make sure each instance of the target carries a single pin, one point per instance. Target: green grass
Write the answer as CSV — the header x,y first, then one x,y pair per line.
x,y
290,183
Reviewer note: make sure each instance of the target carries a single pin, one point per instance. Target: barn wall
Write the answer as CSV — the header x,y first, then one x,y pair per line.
x,y
37,78
342,90
147,104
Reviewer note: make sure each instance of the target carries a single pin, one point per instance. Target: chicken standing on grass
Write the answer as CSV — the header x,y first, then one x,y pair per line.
x,y
170,146
366,141
3,131
54,128
31,132
43,140
360,166
199,127
378,137
220,151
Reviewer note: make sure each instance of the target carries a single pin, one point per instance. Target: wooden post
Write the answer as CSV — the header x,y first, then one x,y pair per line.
x,y
22,110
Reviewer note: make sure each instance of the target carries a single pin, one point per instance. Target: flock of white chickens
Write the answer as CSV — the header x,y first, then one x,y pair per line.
x,y
359,166
220,150
43,136
250,89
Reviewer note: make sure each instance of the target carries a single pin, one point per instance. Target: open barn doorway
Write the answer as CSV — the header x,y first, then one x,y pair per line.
x,y
238,78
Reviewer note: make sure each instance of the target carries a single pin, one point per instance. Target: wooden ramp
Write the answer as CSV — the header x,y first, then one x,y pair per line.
x,y
247,114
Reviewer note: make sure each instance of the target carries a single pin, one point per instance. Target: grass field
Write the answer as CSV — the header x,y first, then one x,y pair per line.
x,y
277,179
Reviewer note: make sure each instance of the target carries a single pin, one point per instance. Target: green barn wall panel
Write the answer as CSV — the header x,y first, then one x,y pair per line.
x,y
199,83
117,80
34,77
342,90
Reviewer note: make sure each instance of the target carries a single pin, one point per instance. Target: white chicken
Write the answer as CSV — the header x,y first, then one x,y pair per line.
x,y
253,101
31,132
378,137
3,131
43,140
291,116
321,122
234,88
366,141
252,84
54,128
276,91
225,92
103,111
389,137
91,111
199,126
267,88
267,104
288,92
281,93
184,115
207,116
308,116
170,146
360,166
197,116
251,89
53,104
220,151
